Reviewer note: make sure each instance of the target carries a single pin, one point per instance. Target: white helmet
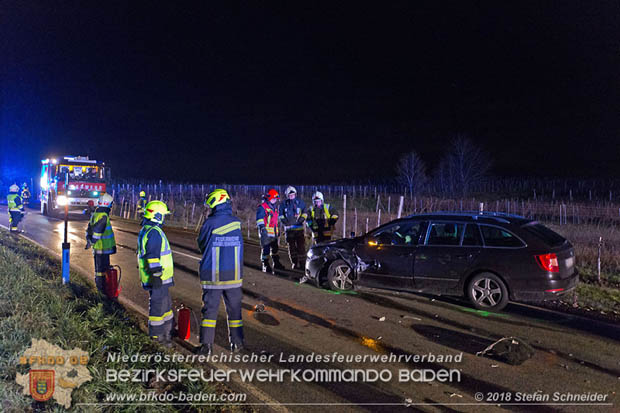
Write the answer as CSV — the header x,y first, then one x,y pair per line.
x,y
290,190
318,195
105,200
13,188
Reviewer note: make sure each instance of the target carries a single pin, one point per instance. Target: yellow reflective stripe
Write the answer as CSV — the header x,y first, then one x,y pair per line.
x,y
220,282
217,264
208,323
152,260
236,263
326,209
227,228
159,318
235,323
259,221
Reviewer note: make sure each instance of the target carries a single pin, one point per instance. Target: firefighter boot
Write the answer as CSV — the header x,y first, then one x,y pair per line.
x,y
266,266
236,347
206,349
276,263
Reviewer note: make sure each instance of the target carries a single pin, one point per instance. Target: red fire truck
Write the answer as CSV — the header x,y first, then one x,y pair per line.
x,y
72,181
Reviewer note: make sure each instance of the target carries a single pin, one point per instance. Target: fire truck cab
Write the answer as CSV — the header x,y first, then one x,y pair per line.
x,y
72,181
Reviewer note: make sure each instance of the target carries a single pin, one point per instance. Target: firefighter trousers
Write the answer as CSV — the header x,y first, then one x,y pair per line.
x,y
15,218
232,302
102,263
161,319
296,241
270,249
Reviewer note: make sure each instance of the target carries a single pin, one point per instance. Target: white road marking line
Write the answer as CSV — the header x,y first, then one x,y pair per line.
x,y
187,255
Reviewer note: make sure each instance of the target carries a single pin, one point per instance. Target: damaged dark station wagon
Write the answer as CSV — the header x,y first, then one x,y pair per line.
x,y
490,258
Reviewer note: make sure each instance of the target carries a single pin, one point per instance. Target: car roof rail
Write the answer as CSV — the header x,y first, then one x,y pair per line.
x,y
497,216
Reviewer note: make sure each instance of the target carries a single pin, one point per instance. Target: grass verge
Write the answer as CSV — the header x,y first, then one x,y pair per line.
x,y
35,304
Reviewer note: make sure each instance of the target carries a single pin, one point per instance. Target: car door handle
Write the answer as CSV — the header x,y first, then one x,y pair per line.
x,y
465,256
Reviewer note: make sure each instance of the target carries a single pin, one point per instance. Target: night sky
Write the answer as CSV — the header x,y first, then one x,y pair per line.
x,y
309,92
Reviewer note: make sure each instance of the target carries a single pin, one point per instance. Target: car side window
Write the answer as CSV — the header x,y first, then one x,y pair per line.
x,y
402,234
445,233
498,237
472,236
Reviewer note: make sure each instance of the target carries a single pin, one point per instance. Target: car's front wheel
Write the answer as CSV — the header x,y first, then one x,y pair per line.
x,y
487,291
340,276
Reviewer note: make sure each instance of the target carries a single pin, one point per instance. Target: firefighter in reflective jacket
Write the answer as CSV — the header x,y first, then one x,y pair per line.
x,y
25,194
100,235
16,208
156,271
221,270
321,218
268,231
292,216
141,204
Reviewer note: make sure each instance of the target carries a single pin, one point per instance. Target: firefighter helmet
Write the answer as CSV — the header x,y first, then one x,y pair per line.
x,y
272,194
318,196
13,188
142,194
105,200
290,190
155,211
217,197
25,185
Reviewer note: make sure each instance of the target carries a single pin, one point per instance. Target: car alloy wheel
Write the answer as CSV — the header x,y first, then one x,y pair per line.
x,y
340,276
487,291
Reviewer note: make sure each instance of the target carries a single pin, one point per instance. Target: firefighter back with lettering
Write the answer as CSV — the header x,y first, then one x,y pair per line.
x,y
16,208
221,270
156,269
292,216
100,235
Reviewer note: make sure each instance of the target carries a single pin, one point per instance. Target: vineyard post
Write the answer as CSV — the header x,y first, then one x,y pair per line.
x,y
366,225
344,215
379,218
400,206
598,260
355,215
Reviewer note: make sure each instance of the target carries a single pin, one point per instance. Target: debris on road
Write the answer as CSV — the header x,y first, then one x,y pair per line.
x,y
259,308
411,317
511,350
382,318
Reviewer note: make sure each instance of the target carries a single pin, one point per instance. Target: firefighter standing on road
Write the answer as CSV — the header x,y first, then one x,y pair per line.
x,y
156,270
99,233
25,194
221,270
321,218
141,204
293,215
15,207
268,231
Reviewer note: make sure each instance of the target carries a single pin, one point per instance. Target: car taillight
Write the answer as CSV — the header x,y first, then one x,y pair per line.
x,y
548,262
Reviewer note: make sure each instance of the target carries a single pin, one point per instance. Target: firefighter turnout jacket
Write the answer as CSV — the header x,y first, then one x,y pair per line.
x,y
321,220
267,219
221,243
293,214
154,255
15,203
99,232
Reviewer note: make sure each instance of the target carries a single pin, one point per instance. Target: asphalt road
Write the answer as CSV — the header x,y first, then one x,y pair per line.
x,y
573,355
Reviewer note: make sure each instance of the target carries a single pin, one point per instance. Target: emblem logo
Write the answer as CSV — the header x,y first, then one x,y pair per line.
x,y
41,384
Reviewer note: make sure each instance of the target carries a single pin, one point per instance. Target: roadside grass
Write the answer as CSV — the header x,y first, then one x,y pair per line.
x,y
35,304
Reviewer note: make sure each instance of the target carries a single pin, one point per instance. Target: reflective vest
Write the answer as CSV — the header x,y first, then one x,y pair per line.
x,y
315,226
165,256
11,201
270,220
141,205
104,242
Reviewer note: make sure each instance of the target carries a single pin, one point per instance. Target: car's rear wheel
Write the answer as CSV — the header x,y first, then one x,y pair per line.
x,y
487,291
340,276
